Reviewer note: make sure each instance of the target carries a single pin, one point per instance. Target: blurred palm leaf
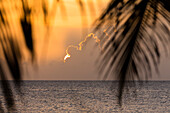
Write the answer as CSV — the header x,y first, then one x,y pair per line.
x,y
138,29
12,55
27,28
10,47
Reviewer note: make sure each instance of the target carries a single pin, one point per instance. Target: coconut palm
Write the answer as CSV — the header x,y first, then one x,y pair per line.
x,y
135,28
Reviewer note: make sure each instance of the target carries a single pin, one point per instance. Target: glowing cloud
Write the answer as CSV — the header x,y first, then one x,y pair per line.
x,y
80,45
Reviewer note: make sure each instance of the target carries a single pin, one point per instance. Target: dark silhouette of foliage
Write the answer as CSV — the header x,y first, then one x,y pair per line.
x,y
134,27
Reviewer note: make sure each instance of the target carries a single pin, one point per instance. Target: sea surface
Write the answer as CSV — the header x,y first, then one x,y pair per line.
x,y
91,97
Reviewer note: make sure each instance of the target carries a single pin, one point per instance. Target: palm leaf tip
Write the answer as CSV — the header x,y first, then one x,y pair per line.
x,y
27,30
6,89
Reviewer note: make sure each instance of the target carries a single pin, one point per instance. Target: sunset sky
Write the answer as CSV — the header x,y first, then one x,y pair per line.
x,y
67,25
66,29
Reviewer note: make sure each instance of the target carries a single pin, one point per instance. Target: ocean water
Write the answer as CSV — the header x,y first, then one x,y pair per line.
x,y
91,97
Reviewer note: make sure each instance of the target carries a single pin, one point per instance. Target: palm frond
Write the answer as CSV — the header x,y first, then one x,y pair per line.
x,y
138,30
11,50
13,57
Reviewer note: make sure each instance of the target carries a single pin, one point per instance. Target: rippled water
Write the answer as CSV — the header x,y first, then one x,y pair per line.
x,y
91,96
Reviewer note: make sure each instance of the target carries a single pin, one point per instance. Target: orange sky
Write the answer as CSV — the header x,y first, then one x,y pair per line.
x,y
68,28
65,29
